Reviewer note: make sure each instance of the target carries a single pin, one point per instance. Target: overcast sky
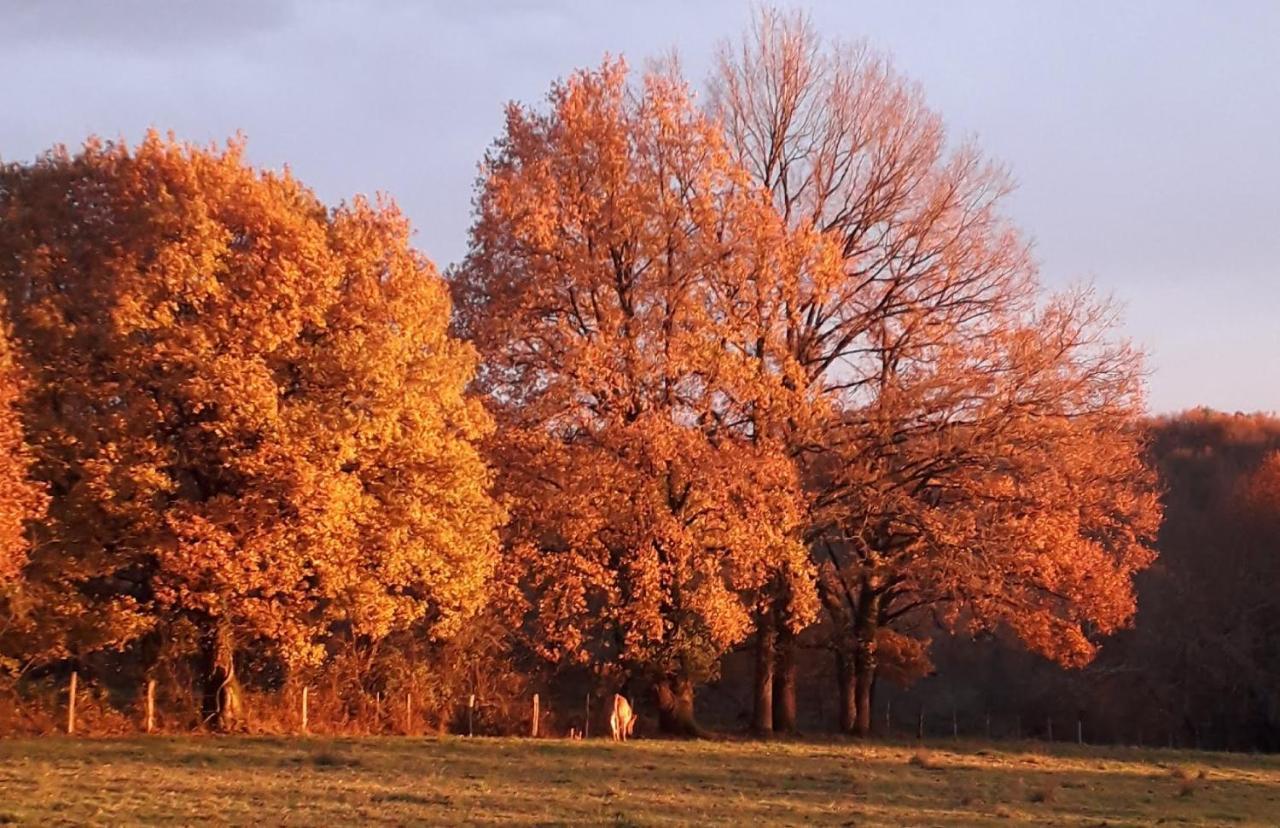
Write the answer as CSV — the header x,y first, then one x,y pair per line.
x,y
1145,137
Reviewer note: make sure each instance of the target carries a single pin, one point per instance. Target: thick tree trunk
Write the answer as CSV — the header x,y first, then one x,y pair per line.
x,y
222,703
846,678
675,707
866,623
763,689
784,681
864,666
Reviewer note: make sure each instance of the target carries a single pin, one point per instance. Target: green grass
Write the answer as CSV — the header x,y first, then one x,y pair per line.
x,y
321,781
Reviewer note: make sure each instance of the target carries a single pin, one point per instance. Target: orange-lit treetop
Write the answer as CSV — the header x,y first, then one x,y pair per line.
x,y
248,406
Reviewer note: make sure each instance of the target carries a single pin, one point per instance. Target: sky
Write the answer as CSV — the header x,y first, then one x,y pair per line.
x,y
1144,136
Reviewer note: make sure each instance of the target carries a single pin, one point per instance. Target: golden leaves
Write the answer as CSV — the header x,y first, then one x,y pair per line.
x,y
706,342
22,500
249,403
613,291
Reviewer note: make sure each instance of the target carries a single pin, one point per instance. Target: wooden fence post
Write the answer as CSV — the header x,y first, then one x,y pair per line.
x,y
955,724
533,731
305,692
71,703
471,708
888,718
920,724
1049,725
377,710
408,713
586,722
151,705
1079,730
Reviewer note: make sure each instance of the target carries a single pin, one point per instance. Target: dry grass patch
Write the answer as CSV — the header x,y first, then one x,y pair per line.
x,y
925,760
1045,794
452,781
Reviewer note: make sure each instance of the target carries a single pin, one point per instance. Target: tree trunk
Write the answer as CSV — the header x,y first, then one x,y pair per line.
x,y
763,689
833,597
846,677
675,707
784,680
864,666
864,659
223,706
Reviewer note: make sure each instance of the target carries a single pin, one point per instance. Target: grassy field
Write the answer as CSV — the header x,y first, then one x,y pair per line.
x,y
322,781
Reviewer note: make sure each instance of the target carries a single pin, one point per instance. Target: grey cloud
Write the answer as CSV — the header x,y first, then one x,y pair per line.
x,y
140,26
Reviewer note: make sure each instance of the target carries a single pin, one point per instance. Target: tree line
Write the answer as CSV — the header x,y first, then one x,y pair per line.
x,y
717,372
1197,668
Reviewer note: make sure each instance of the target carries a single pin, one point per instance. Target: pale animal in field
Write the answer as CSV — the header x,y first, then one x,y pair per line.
x,y
623,720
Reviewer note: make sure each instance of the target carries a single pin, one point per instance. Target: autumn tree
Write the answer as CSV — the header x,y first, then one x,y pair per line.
x,y
981,462
21,499
247,408
614,287
1019,499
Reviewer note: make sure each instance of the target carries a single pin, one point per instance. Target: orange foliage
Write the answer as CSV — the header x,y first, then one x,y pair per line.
x,y
1013,493
984,462
902,659
247,407
21,500
1259,493
615,290
746,363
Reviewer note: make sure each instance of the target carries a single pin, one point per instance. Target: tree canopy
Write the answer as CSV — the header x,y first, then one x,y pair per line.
x,y
981,463
616,267
246,407
712,375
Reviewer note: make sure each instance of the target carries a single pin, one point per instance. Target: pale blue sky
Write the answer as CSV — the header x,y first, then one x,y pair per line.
x,y
1145,136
